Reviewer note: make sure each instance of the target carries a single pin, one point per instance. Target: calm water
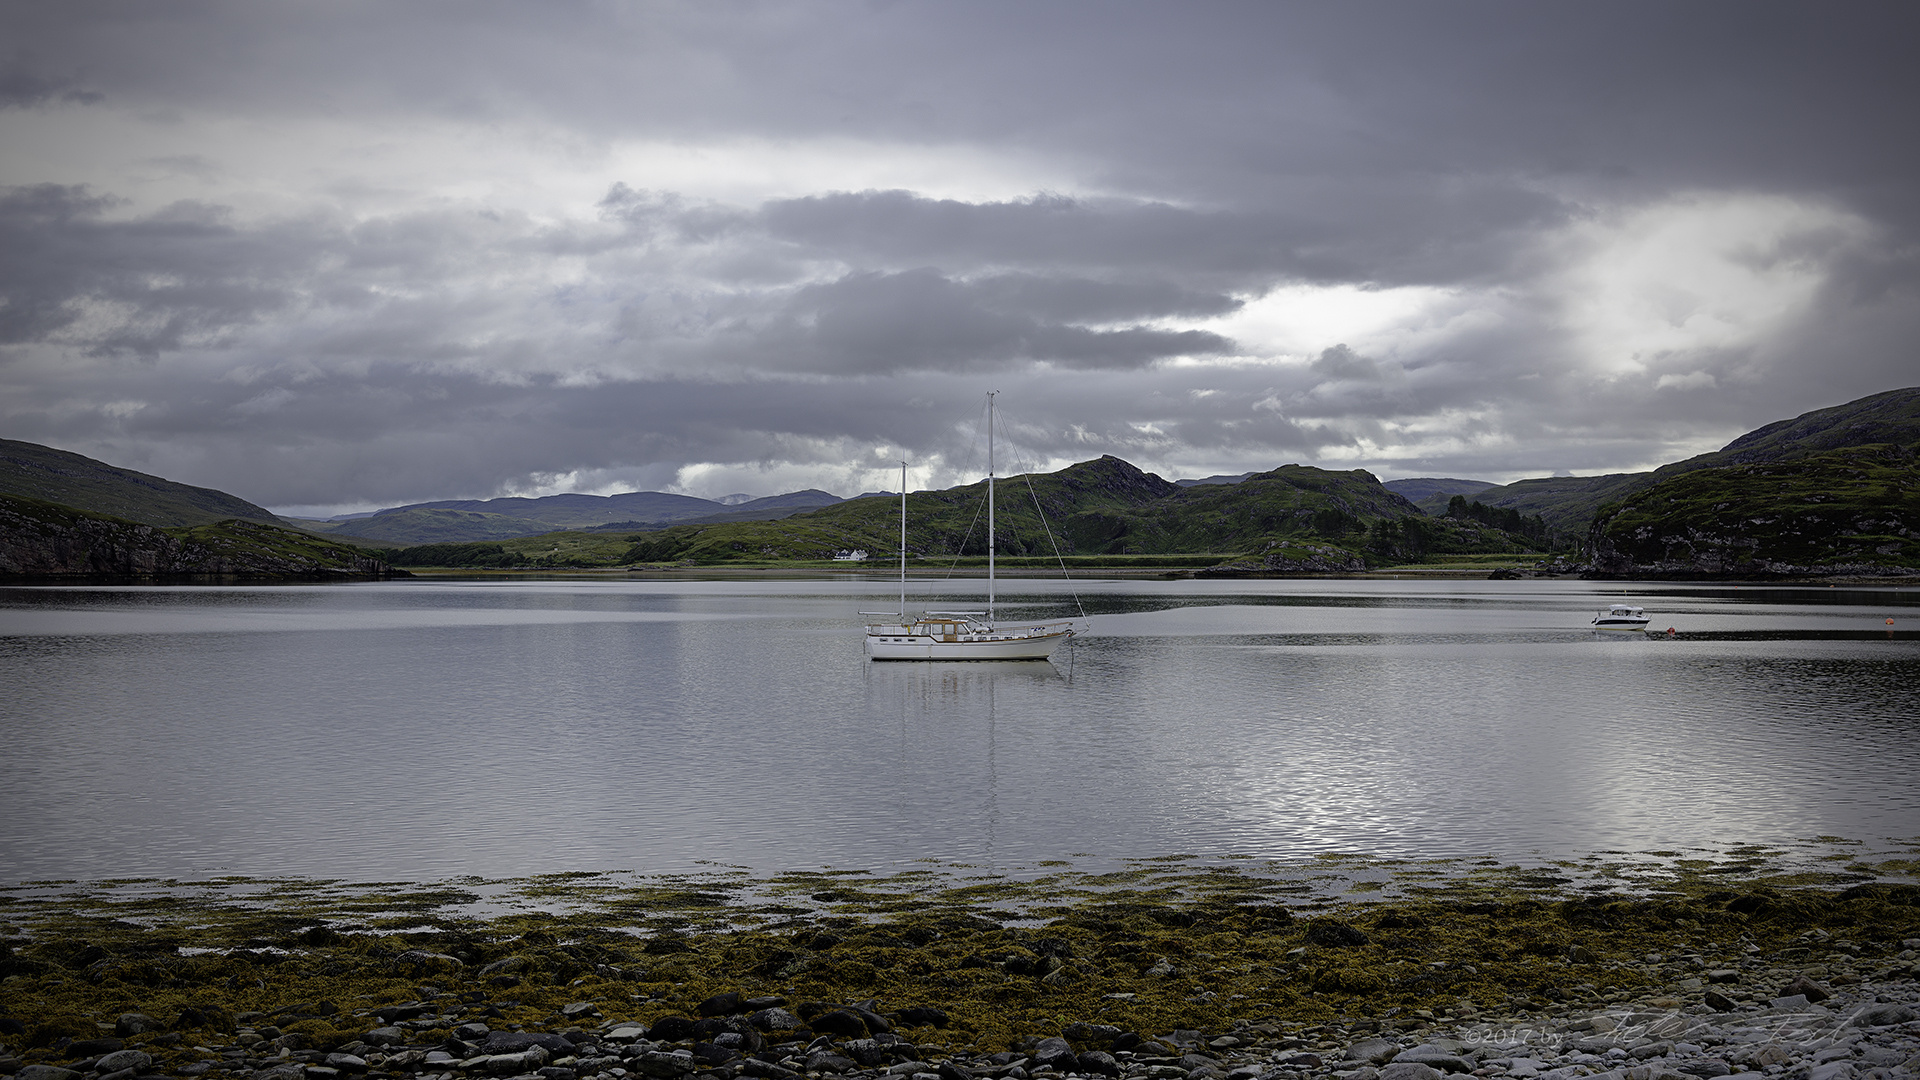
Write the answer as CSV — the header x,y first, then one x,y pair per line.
x,y
427,729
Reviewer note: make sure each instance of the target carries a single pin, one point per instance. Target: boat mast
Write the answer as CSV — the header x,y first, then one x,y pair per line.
x,y
903,542
990,395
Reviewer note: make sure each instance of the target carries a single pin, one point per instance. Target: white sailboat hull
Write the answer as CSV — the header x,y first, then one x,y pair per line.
x,y
1036,643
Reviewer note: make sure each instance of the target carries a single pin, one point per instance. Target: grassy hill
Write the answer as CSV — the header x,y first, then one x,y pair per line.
x,y
1569,503
1107,507
40,539
1889,418
1852,509
32,471
950,522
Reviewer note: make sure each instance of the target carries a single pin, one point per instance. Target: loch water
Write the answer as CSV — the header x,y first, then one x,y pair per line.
x,y
432,728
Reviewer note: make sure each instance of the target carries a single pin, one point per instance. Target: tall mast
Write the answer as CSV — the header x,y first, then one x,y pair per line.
x,y
990,395
903,542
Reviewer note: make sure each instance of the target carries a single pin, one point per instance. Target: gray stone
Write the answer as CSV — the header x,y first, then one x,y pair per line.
x,y
134,1023
1442,1062
1097,1063
428,961
1054,1052
655,1063
1373,1051
347,1062
578,1009
45,1072
1883,1015
384,1036
1409,1070
519,1061
1789,1001
773,1018
123,1059
1705,1067
512,1042
867,1052
1832,1070
1807,988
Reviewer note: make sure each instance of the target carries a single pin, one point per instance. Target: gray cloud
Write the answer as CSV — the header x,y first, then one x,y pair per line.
x,y
1208,239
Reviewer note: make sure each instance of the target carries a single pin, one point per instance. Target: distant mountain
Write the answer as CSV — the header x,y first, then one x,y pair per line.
x,y
1431,493
1216,479
1566,503
32,471
771,508
479,520
573,511
435,525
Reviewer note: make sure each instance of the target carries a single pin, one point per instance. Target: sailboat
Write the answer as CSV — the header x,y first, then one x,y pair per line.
x,y
959,635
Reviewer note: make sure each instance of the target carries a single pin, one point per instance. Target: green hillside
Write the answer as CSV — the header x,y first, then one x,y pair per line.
x,y
1855,508
1889,418
41,539
1107,507
1568,503
950,522
32,471
1293,500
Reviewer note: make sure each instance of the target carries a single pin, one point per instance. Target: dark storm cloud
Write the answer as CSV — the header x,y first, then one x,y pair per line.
x,y
920,319
380,336
1315,234
169,277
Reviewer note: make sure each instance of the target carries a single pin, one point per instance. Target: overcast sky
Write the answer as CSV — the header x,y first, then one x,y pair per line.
x,y
332,256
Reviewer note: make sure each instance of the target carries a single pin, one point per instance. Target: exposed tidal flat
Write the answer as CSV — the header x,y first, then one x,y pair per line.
x,y
542,828
1783,963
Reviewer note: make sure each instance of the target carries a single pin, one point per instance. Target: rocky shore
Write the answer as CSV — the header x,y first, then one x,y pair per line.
x,y
1802,984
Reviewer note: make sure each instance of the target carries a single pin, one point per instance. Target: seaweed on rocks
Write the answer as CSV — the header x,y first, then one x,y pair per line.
x,y
735,972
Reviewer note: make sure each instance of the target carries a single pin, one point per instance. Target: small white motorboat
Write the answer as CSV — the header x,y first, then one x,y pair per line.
x,y
1621,617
